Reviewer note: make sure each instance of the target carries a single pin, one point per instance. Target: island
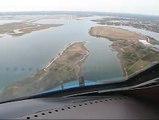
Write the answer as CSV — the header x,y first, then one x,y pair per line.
x,y
22,28
135,50
64,68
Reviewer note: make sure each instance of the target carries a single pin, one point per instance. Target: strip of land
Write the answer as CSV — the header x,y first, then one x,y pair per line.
x,y
134,49
115,33
64,68
22,28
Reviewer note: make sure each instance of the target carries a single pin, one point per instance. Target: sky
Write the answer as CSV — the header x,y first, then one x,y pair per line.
x,y
150,7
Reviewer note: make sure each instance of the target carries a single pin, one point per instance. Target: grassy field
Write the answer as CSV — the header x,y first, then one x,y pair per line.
x,y
115,33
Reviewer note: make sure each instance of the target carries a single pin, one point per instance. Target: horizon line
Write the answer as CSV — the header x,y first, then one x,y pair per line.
x,y
25,11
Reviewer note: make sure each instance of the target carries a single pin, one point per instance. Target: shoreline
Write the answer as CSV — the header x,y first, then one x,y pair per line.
x,y
59,54
130,49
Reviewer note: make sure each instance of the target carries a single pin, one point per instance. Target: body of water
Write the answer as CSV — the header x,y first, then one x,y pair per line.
x,y
20,57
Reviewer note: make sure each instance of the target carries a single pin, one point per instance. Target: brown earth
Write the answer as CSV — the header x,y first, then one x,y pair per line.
x,y
115,33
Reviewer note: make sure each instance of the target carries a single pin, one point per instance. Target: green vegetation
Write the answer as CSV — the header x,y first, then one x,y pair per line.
x,y
138,58
130,55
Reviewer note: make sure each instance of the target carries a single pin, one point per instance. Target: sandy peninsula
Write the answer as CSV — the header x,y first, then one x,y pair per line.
x,y
62,69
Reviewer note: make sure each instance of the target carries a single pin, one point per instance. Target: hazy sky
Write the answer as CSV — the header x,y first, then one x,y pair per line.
x,y
122,6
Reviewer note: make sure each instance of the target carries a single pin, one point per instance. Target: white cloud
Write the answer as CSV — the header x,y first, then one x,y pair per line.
x,y
124,6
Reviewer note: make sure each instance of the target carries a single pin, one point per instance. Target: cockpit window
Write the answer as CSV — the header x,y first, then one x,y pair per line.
x,y
61,44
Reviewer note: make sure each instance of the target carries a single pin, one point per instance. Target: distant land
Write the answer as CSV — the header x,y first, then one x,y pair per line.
x,y
22,28
146,23
81,13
